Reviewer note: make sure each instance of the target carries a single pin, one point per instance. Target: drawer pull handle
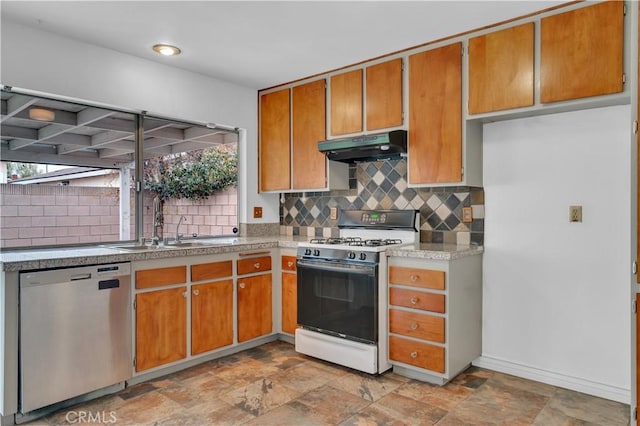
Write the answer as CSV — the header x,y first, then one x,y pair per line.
x,y
256,265
414,300
241,285
414,278
414,354
196,292
414,326
290,264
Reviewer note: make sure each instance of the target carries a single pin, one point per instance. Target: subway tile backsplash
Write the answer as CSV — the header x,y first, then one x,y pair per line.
x,y
383,185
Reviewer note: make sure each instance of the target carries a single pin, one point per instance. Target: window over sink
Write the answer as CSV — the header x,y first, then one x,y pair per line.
x,y
68,174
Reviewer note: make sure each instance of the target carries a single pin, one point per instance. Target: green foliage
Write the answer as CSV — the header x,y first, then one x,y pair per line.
x,y
192,175
22,170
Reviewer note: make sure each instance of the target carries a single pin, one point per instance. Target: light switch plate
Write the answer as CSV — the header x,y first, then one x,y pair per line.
x,y
467,214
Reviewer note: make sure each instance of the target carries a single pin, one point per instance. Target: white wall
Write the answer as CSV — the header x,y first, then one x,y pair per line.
x,y
556,294
42,61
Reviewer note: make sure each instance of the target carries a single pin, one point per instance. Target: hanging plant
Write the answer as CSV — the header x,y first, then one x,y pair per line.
x,y
192,175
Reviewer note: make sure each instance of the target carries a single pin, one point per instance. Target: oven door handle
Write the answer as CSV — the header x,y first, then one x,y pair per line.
x,y
324,266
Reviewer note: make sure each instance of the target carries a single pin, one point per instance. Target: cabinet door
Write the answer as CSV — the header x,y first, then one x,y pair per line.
x,y
501,69
346,103
211,316
161,327
309,127
435,115
384,95
289,302
275,123
254,307
581,52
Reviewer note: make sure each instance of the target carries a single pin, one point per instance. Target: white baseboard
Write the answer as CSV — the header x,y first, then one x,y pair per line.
x,y
568,382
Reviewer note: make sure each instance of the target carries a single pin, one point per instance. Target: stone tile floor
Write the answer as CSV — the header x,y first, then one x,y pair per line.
x,y
274,385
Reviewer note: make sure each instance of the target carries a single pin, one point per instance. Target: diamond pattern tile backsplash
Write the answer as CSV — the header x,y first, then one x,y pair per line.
x,y
383,185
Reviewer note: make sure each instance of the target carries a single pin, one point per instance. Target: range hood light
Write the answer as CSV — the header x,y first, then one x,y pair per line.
x,y
384,147
41,114
166,49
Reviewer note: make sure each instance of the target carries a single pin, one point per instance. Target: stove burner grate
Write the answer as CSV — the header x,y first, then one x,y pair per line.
x,y
337,240
377,242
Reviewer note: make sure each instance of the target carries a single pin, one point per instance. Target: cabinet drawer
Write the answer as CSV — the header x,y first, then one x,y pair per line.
x,y
424,278
288,263
209,271
161,276
420,326
254,264
417,300
421,355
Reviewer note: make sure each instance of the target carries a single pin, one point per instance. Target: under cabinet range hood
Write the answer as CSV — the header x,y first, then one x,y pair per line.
x,y
381,146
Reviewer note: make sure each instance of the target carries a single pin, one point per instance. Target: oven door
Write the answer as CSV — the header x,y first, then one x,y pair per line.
x,y
338,298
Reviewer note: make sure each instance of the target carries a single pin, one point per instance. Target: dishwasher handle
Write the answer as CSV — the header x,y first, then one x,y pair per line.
x,y
79,277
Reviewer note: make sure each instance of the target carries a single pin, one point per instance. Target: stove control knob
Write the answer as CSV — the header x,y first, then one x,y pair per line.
x,y
363,256
307,252
351,255
316,252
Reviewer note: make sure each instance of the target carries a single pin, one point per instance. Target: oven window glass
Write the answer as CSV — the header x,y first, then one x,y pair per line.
x,y
341,302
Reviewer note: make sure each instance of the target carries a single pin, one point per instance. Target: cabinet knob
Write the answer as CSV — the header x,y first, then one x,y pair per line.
x,y
196,292
414,354
241,285
414,326
290,264
414,300
184,294
256,265
414,278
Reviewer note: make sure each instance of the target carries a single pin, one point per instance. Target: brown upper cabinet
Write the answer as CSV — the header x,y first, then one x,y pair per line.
x,y
275,151
581,52
435,115
309,127
384,95
292,122
501,69
346,103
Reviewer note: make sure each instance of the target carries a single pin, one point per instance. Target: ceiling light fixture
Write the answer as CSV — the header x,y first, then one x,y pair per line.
x,y
166,49
41,114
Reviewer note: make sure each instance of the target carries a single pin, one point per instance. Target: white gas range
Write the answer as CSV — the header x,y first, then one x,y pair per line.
x,y
342,288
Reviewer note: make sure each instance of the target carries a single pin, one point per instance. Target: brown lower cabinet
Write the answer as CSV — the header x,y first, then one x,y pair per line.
x,y
211,316
161,327
289,302
254,307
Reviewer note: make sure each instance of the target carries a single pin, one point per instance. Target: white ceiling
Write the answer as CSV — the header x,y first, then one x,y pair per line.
x,y
260,44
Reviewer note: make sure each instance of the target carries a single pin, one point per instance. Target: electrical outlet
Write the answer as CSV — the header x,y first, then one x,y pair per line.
x,y
257,212
467,214
333,213
575,213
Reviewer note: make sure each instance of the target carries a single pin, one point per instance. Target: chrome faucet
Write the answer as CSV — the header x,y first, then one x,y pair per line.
x,y
178,234
157,222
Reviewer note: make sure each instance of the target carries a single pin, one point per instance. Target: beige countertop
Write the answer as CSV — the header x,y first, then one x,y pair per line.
x,y
27,259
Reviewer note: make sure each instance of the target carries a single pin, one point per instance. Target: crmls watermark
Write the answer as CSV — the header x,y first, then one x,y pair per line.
x,y
103,417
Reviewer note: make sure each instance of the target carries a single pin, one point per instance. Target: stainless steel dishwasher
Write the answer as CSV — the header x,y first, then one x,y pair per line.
x,y
75,332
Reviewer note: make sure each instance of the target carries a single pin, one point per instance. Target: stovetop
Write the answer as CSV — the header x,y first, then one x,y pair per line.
x,y
356,241
363,234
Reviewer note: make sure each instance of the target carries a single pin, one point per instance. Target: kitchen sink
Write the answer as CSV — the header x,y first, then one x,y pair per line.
x,y
187,244
134,247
